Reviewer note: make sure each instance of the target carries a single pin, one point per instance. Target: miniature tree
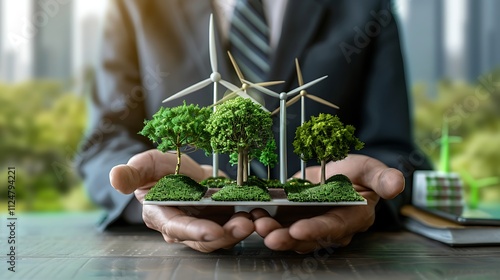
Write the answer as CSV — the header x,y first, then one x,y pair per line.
x,y
268,156
179,127
239,126
325,138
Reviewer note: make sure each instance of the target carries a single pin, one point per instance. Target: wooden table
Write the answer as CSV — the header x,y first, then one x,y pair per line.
x,y
67,246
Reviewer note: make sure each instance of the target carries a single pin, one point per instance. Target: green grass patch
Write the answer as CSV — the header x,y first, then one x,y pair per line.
x,y
234,192
216,182
337,188
176,188
296,185
274,184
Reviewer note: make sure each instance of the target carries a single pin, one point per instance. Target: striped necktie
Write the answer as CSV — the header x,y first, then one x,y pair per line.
x,y
249,38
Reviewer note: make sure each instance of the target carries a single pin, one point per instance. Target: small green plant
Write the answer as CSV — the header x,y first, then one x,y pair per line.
x,y
216,182
297,185
248,192
336,189
268,156
178,127
325,138
176,188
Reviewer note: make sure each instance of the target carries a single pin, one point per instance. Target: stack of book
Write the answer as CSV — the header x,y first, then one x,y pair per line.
x,y
446,231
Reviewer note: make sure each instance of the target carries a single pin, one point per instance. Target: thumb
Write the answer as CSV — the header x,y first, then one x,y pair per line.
x,y
141,170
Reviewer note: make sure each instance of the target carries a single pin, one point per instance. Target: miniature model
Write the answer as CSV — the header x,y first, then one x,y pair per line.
x,y
241,126
214,78
302,96
325,138
337,188
178,127
443,187
445,140
475,185
242,91
283,96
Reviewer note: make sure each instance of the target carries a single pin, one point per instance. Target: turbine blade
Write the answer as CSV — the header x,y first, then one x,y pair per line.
x,y
229,86
299,73
275,111
322,101
306,85
293,100
236,68
288,103
211,45
270,83
227,97
190,89
263,89
245,95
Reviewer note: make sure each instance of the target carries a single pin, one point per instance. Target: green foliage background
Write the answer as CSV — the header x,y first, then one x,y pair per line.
x,y
41,125
473,113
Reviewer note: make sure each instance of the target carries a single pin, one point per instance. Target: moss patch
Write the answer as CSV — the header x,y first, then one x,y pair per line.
x,y
234,192
274,184
216,182
176,188
297,185
337,189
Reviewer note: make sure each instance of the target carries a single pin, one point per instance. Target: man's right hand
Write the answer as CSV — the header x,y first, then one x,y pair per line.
x,y
204,229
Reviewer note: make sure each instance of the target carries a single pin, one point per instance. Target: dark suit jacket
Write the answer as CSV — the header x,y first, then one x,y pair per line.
x,y
152,49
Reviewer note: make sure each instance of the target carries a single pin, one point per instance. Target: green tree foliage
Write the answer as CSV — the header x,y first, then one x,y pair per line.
x,y
472,113
325,138
179,127
268,156
41,125
239,126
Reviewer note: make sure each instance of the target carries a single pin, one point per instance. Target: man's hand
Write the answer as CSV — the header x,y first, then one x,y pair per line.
x,y
305,229
206,229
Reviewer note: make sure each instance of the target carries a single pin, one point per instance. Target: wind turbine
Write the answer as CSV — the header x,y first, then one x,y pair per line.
x,y
242,91
214,78
283,96
475,185
445,140
302,95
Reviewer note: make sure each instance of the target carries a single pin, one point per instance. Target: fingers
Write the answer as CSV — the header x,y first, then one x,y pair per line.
x,y
200,234
146,168
371,173
334,228
239,227
263,222
142,169
175,225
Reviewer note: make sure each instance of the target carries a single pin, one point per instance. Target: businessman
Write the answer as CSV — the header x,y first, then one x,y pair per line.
x,y
153,49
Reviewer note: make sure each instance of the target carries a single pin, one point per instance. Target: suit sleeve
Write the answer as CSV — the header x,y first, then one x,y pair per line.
x,y
116,113
387,123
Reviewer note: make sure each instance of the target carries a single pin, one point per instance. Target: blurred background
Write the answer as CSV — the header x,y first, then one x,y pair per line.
x,y
48,47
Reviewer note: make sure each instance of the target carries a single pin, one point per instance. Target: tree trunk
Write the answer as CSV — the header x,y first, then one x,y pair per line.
x,y
241,163
269,172
323,171
246,163
178,166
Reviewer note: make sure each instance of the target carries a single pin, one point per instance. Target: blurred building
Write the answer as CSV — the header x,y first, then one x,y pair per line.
x,y
474,47
482,38
53,41
1,31
424,41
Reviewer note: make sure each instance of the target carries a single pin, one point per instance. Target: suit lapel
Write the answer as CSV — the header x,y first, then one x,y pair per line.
x,y
302,18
